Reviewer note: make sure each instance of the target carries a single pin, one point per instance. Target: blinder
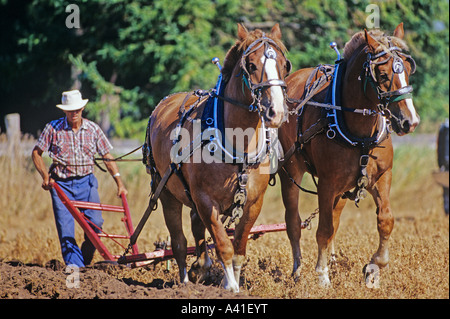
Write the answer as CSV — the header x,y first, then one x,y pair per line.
x,y
411,62
397,65
288,67
270,53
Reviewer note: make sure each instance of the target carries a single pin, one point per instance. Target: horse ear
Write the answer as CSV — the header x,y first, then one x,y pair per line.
x,y
370,41
276,31
242,32
399,32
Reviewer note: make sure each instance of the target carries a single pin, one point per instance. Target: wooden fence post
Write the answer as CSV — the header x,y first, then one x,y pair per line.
x,y
12,123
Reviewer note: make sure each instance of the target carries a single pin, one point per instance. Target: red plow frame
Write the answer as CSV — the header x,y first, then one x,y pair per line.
x,y
136,259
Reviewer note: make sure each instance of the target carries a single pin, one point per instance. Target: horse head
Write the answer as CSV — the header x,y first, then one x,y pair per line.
x,y
263,67
387,69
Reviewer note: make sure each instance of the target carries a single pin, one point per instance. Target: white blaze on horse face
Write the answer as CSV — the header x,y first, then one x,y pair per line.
x,y
276,93
409,103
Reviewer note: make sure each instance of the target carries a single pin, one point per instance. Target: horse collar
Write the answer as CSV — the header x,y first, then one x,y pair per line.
x,y
337,128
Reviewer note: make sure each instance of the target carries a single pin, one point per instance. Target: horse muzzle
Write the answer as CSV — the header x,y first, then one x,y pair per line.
x,y
403,126
273,114
273,103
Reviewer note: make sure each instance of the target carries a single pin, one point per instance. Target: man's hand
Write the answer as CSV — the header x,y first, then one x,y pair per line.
x,y
47,183
121,190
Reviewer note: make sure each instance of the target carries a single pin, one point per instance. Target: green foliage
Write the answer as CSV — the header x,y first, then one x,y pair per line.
x,y
141,51
309,26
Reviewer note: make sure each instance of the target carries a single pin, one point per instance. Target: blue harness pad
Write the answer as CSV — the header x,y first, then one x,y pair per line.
x,y
335,118
214,104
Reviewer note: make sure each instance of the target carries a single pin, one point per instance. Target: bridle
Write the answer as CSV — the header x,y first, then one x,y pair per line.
x,y
387,97
257,88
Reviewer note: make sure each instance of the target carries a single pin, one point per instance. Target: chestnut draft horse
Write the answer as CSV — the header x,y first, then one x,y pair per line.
x,y
347,146
213,179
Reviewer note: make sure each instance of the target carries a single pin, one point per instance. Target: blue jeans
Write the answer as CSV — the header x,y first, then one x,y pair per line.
x,y
80,189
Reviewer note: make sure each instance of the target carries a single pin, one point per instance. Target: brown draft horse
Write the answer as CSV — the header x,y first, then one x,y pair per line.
x,y
254,71
376,83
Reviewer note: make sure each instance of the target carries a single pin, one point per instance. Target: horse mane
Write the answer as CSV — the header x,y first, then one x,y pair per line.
x,y
233,55
359,39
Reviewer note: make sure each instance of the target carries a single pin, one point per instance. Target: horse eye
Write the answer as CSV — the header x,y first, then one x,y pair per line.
x,y
252,68
384,77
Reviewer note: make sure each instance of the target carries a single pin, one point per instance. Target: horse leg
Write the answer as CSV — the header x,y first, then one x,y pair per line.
x,y
339,204
200,267
209,213
172,209
385,220
290,194
241,235
325,231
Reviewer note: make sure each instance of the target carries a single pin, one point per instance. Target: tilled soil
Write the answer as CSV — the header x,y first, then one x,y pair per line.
x,y
54,281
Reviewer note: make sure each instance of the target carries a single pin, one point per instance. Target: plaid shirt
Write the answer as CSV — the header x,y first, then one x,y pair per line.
x,y
73,153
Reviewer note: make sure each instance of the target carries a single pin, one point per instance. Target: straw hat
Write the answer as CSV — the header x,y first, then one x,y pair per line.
x,y
72,101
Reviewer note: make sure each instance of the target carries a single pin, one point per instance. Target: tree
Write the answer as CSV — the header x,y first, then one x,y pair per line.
x,y
129,54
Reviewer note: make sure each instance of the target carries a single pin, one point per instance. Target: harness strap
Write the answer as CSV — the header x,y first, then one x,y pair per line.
x,y
312,131
360,191
290,152
151,206
182,110
312,87
177,169
364,112
237,103
240,196
304,138
298,185
297,147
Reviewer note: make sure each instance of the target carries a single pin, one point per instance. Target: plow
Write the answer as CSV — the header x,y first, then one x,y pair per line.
x,y
134,258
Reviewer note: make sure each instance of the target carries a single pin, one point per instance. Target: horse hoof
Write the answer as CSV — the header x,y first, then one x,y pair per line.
x,y
333,260
198,274
324,281
199,271
371,276
232,287
193,275
296,275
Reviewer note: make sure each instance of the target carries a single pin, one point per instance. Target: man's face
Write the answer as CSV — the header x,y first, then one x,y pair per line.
x,y
74,117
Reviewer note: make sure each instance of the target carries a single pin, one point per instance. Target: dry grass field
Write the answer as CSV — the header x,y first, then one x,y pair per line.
x,y
419,252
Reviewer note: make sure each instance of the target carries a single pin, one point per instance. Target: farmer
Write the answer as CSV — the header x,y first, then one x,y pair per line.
x,y
71,142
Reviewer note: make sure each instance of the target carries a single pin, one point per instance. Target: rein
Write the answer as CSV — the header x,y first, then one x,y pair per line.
x,y
96,159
